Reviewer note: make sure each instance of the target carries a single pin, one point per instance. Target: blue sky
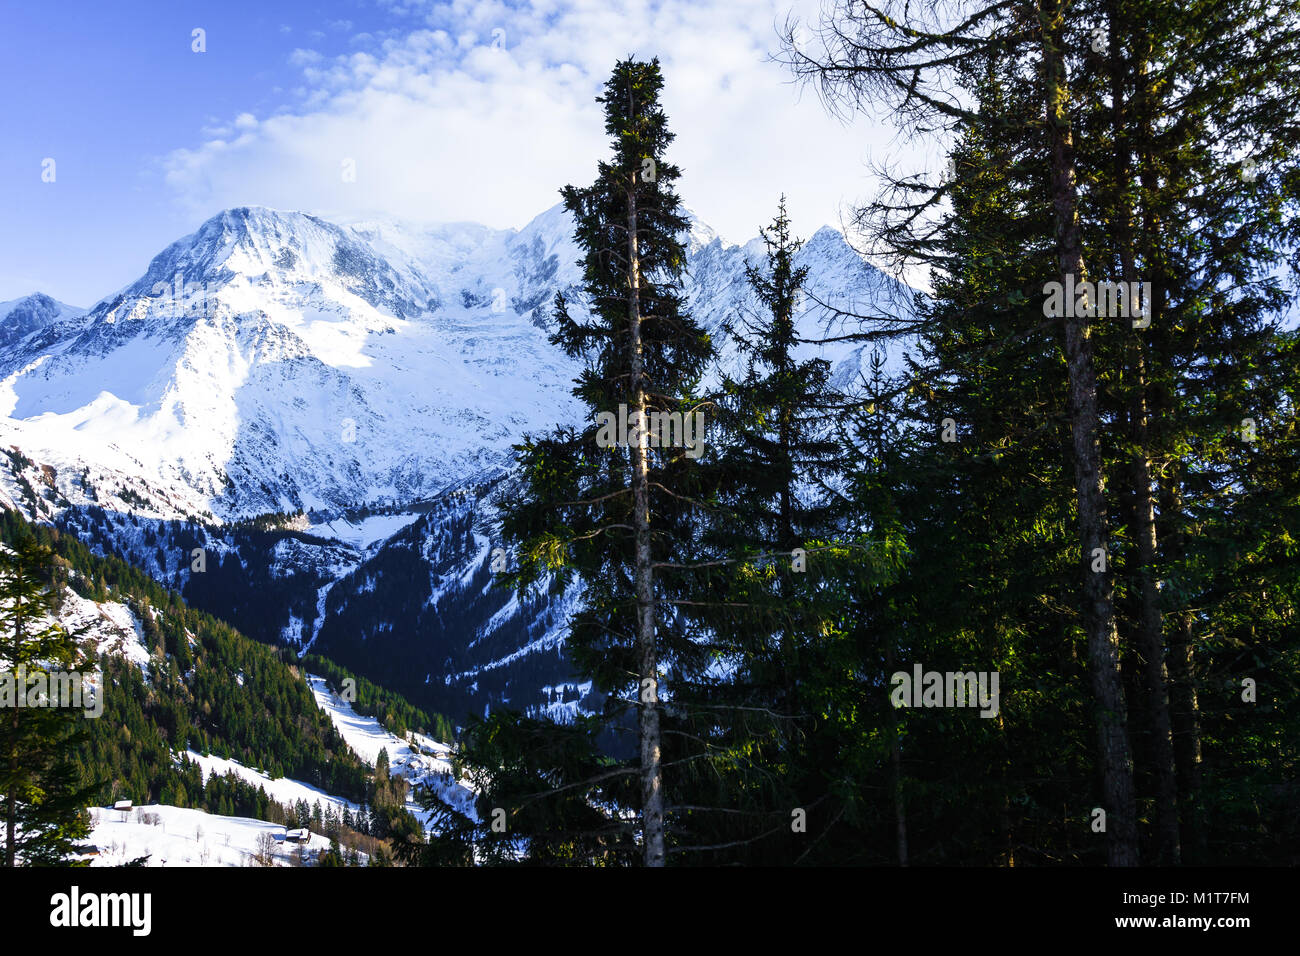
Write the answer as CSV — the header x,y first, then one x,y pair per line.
x,y
445,111
108,91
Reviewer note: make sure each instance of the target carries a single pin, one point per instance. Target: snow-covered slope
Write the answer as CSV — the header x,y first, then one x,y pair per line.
x,y
175,836
181,836
275,362
425,763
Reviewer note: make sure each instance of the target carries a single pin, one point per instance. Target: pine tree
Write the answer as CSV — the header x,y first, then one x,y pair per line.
x,y
333,856
914,56
1211,362
44,801
1137,172
605,508
985,497
779,413
777,563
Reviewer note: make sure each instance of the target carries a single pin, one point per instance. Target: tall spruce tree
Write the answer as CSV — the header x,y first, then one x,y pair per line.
x,y
776,452
774,569
1194,161
609,505
986,498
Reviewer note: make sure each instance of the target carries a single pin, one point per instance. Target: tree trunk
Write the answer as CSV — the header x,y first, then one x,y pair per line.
x,y
896,772
1004,811
11,801
652,791
1184,706
1098,610
900,809
1150,633
1150,636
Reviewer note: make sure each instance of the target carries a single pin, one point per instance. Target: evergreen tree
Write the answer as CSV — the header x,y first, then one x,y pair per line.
x,y
1209,368
1128,172
778,561
780,447
333,856
611,509
43,798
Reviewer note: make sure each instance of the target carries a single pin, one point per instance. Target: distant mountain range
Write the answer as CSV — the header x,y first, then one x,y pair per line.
x,y
321,408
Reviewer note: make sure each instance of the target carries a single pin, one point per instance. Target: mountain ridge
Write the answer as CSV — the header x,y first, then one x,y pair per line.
x,y
319,409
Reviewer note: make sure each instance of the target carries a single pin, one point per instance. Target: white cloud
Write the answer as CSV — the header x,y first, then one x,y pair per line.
x,y
444,124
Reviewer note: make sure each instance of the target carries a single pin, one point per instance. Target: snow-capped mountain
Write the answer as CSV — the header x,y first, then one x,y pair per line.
x,y
21,318
273,362
364,381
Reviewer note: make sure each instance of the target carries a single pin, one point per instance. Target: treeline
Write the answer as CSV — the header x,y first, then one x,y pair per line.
x,y
208,689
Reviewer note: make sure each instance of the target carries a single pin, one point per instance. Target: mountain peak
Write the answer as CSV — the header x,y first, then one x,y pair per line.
x,y
19,318
36,301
